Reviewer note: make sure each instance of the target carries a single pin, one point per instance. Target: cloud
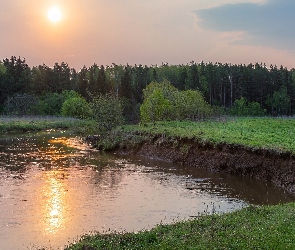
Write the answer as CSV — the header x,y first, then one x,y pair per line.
x,y
271,24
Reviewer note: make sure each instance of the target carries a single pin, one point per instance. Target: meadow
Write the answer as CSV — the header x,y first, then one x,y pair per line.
x,y
265,133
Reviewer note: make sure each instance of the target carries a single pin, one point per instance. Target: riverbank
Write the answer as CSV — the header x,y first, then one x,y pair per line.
x,y
267,227
261,148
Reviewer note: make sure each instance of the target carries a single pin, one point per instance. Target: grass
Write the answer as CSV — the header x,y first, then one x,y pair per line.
x,y
15,124
267,227
265,133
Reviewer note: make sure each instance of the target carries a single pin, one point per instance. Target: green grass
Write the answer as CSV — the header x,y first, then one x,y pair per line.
x,y
265,133
15,124
267,227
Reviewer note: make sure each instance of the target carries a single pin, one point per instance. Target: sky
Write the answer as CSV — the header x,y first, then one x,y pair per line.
x,y
149,32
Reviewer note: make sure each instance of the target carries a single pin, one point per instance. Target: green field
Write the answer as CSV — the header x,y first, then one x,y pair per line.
x,y
266,133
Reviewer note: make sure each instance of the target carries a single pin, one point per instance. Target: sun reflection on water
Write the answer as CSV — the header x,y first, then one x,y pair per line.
x,y
55,202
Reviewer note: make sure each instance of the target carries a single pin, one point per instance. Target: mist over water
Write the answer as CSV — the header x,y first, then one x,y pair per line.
x,y
54,188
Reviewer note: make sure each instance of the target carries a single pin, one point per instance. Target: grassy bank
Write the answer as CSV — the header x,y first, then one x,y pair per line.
x,y
266,133
14,124
268,227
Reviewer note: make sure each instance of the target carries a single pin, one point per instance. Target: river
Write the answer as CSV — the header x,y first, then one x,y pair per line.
x,y
54,188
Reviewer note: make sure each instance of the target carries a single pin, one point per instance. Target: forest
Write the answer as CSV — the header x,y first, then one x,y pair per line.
x,y
228,88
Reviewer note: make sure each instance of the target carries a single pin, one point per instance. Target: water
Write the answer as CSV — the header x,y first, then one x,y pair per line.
x,y
54,188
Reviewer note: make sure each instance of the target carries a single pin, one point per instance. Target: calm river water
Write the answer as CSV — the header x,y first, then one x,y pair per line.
x,y
53,189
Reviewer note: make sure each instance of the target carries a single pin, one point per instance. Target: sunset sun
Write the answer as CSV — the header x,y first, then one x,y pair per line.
x,y
54,14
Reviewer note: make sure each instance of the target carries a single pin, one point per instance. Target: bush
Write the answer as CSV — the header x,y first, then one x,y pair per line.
x,y
162,101
107,111
190,105
51,103
76,107
243,108
155,108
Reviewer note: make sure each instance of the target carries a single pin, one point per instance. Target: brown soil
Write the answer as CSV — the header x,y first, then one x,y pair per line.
x,y
278,168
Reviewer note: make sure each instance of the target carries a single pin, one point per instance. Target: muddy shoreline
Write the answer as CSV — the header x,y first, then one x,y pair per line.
x,y
262,164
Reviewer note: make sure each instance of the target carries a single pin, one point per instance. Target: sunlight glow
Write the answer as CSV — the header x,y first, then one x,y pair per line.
x,y
54,14
55,206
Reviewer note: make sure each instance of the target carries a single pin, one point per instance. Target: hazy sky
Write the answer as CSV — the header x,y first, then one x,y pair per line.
x,y
149,31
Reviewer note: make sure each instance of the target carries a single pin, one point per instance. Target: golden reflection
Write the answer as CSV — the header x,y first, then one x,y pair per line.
x,y
71,143
55,202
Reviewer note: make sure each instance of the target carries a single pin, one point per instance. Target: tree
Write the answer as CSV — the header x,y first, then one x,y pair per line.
x,y
17,76
155,108
76,107
125,89
190,105
279,101
20,104
82,83
165,86
162,101
192,81
107,111
244,108
2,84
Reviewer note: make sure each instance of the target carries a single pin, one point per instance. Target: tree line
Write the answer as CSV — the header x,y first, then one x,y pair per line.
x,y
230,87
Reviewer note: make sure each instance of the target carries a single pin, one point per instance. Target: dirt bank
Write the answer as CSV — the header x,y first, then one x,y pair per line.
x,y
268,165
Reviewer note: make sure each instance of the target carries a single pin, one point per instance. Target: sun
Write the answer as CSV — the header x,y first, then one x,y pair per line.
x,y
54,14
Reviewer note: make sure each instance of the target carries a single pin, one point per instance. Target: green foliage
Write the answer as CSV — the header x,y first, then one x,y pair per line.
x,y
162,101
68,94
280,101
220,84
51,103
155,108
190,105
107,112
165,87
76,107
2,69
20,104
243,108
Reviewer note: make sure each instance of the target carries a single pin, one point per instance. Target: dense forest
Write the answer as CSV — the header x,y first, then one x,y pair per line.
x,y
41,90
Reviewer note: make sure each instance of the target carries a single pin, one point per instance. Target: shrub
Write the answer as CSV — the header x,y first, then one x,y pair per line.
x,y
190,105
76,107
107,111
162,101
243,108
51,103
155,108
